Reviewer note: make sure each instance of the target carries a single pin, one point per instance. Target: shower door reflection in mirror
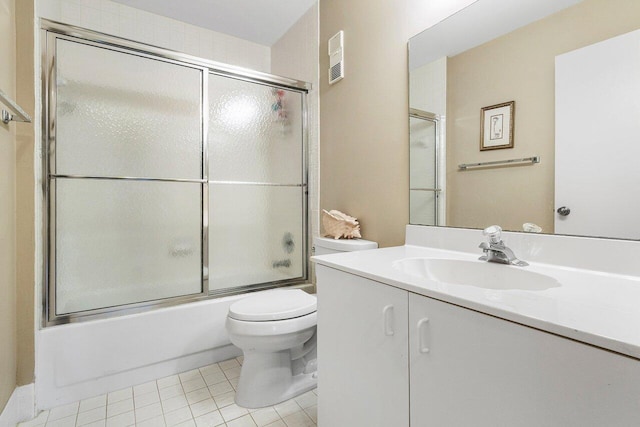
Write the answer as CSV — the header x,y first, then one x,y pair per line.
x,y
424,157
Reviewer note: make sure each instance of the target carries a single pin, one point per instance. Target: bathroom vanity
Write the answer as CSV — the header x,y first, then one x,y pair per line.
x,y
427,335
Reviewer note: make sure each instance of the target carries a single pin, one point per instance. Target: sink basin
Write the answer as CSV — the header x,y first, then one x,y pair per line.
x,y
480,274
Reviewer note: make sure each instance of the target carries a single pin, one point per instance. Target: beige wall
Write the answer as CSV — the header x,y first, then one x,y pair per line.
x,y
520,67
17,249
25,192
8,342
364,149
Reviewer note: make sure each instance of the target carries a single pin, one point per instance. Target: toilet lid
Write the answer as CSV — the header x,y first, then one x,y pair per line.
x,y
277,304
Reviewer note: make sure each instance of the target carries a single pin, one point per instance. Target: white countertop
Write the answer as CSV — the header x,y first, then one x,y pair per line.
x,y
602,309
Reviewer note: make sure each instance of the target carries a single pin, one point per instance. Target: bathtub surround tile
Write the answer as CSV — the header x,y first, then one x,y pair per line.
x,y
122,420
146,399
91,416
120,395
168,381
63,411
265,416
203,407
225,399
245,421
120,408
198,395
220,388
148,412
174,404
211,419
232,412
93,403
178,416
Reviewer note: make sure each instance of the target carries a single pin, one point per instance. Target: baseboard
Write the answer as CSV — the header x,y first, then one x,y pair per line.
x,y
20,407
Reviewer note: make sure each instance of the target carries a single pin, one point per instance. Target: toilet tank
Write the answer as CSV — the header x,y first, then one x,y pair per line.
x,y
326,245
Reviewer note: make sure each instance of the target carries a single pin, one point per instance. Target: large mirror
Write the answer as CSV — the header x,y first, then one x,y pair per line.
x,y
560,80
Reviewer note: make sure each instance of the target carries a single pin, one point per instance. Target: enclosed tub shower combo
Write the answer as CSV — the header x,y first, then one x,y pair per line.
x,y
167,179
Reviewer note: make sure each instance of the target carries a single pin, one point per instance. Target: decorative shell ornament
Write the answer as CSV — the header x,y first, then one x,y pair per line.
x,y
340,225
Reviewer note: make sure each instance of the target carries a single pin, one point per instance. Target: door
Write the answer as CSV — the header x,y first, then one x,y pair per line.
x,y
363,378
470,369
597,133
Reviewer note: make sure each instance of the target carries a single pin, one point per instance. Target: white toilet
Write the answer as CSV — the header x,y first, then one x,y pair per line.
x,y
276,331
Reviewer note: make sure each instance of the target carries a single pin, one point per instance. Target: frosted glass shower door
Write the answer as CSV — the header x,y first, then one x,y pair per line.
x,y
256,184
126,178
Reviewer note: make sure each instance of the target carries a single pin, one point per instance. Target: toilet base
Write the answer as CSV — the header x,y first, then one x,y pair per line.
x,y
266,379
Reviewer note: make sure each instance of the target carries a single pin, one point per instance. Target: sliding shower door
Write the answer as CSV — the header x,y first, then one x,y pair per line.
x,y
256,184
126,178
169,179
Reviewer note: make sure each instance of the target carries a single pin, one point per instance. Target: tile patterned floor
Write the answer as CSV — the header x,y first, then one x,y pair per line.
x,y
199,398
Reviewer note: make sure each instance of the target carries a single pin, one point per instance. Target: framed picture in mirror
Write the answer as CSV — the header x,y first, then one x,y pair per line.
x,y
496,126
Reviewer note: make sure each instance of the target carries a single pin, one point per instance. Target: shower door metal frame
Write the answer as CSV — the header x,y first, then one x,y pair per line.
x,y
50,31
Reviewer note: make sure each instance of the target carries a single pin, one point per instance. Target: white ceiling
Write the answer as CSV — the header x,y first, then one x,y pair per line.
x,y
259,21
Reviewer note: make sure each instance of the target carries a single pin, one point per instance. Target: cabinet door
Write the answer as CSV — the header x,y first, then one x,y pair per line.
x,y
470,369
363,378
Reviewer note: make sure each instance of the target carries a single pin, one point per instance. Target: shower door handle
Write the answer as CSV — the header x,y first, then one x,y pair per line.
x,y
387,314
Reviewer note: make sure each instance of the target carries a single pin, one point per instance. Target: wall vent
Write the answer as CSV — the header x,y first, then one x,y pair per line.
x,y
336,57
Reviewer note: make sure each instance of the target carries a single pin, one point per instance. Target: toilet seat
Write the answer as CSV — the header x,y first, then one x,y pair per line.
x,y
274,305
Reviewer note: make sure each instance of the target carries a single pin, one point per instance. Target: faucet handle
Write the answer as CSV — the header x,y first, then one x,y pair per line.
x,y
494,233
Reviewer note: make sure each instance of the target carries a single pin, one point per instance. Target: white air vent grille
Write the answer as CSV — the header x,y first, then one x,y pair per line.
x,y
336,57
335,73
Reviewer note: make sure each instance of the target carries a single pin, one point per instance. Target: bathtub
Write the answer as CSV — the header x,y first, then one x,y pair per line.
x,y
82,360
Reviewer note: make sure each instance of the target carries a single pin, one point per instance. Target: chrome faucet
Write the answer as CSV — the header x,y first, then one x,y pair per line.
x,y
496,251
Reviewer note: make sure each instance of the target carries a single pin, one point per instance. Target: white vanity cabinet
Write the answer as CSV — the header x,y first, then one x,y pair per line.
x,y
471,369
363,371
463,368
